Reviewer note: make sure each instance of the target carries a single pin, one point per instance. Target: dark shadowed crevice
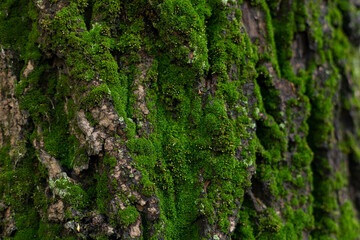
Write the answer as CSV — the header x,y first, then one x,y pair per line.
x,y
269,94
264,134
354,185
93,167
260,190
88,11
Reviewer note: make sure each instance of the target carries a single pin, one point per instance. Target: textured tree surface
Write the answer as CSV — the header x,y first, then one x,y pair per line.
x,y
179,119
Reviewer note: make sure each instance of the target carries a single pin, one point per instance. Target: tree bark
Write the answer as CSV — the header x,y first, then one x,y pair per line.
x,y
179,119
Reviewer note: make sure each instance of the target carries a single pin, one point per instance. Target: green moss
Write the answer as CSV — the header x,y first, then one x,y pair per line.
x,y
348,224
141,146
197,133
95,96
19,29
47,231
21,188
102,192
70,192
43,100
182,18
128,216
111,161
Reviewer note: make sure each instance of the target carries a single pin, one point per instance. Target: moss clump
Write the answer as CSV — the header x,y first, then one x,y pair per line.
x,y
21,189
18,27
70,192
95,96
128,216
102,192
141,146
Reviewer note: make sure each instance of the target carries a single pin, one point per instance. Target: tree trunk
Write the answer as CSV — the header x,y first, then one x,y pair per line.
x,y
179,119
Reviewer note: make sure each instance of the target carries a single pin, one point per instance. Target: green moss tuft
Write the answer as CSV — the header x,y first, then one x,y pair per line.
x,y
128,216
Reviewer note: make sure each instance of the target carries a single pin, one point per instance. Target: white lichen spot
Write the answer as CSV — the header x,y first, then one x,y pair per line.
x,y
94,26
40,4
244,109
203,64
202,208
60,186
51,183
120,153
248,163
108,90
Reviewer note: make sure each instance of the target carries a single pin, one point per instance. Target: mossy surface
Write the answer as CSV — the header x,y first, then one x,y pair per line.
x,y
234,137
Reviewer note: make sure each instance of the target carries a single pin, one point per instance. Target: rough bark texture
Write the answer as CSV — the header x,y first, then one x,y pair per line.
x,y
179,119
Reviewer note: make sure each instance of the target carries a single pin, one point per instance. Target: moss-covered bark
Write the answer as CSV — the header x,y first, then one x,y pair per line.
x,y
179,119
